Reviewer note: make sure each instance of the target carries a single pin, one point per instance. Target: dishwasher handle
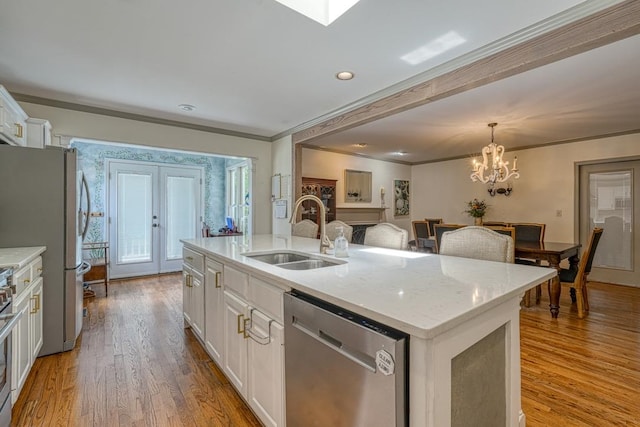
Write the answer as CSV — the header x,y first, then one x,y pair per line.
x,y
335,344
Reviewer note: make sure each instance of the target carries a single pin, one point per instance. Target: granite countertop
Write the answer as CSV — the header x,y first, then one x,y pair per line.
x,y
19,257
419,293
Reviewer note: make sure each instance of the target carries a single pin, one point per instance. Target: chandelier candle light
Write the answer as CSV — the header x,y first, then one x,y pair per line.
x,y
499,171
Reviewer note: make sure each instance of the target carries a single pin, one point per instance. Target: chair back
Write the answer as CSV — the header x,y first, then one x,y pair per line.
x,y
529,232
386,235
439,229
590,252
495,224
478,243
432,222
509,231
305,228
420,229
332,230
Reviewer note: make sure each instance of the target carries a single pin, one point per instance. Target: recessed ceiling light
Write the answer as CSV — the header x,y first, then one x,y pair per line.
x,y
344,75
186,107
360,145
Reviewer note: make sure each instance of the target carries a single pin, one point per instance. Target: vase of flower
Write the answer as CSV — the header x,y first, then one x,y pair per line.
x,y
476,209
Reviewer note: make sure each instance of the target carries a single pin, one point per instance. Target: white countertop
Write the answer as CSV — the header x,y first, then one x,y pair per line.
x,y
19,257
419,293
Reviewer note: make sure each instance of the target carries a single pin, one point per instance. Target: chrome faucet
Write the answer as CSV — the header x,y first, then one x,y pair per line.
x,y
325,243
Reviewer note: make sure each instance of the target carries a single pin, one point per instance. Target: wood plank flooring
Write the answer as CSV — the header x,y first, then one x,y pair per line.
x,y
135,365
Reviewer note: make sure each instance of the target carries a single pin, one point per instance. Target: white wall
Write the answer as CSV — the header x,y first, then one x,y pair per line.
x,y
324,164
282,164
113,129
547,184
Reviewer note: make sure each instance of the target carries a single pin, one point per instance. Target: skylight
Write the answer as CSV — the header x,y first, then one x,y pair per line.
x,y
322,11
434,48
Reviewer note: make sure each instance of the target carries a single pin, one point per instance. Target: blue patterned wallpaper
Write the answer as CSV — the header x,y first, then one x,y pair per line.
x,y
91,160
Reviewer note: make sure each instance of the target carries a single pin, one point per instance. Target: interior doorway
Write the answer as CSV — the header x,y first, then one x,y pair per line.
x,y
150,208
608,192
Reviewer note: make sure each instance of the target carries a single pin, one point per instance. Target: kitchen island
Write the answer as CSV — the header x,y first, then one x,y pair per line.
x,y
462,316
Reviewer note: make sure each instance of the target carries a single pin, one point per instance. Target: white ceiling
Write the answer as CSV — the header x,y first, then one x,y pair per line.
x,y
257,67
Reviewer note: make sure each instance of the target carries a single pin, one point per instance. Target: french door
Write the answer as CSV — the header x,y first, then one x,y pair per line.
x,y
151,207
608,192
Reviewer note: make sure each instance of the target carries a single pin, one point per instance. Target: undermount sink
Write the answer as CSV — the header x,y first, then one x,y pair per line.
x,y
293,261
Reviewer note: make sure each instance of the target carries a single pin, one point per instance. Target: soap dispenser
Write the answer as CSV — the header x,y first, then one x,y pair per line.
x,y
341,244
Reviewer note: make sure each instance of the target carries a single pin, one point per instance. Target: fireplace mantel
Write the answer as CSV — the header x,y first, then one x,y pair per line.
x,y
361,215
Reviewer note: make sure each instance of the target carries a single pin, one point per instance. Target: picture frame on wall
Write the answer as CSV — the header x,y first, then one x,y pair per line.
x,y
401,197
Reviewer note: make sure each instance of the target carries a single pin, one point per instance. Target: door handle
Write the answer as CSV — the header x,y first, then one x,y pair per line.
x,y
155,225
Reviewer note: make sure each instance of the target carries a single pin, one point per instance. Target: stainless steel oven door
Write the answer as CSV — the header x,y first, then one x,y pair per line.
x,y
7,323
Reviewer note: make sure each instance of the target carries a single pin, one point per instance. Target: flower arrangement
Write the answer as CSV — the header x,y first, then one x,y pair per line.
x,y
476,208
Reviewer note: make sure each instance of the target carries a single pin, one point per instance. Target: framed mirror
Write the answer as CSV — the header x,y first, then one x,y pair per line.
x,y
357,186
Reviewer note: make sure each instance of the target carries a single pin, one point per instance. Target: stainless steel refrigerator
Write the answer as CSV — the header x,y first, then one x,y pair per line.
x,y
40,206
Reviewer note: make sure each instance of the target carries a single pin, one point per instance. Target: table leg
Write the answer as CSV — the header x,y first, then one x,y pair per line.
x,y
554,290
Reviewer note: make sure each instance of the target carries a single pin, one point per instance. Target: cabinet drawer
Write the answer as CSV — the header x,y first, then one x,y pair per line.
x,y
236,280
193,259
22,279
36,268
267,298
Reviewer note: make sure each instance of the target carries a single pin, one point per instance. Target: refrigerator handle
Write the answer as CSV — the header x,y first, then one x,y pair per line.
x,y
85,188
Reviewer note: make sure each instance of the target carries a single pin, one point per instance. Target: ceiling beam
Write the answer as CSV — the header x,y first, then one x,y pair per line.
x,y
599,29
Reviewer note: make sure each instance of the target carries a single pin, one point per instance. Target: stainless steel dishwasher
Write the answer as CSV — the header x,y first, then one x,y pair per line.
x,y
342,369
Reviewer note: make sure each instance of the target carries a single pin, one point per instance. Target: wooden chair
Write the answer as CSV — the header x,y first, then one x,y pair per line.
x,y
432,222
495,224
503,229
420,235
439,229
332,230
577,279
529,232
386,235
305,228
478,243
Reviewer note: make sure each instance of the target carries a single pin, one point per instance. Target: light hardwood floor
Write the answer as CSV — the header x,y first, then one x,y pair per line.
x,y
135,365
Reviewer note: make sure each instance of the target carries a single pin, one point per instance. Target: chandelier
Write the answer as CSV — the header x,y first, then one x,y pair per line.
x,y
499,169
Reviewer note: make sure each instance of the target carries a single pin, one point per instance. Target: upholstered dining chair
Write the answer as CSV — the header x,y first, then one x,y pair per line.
x,y
440,229
305,228
577,279
495,224
332,230
420,235
529,232
432,222
386,235
478,243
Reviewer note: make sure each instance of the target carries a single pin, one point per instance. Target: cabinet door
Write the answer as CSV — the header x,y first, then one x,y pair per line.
x,y
266,370
235,344
186,293
214,312
197,303
35,321
20,351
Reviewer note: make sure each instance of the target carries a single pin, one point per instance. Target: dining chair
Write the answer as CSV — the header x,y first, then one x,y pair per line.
x,y
577,279
439,229
432,222
502,229
386,235
529,232
479,243
332,230
420,235
305,228
495,224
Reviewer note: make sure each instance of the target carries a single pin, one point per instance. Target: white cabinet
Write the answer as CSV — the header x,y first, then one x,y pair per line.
x,y
27,335
235,346
12,120
214,311
193,291
38,133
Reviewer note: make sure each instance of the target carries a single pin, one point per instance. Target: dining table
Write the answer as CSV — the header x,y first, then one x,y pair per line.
x,y
553,253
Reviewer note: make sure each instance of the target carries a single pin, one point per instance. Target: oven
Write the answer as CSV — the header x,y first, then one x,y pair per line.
x,y
8,321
